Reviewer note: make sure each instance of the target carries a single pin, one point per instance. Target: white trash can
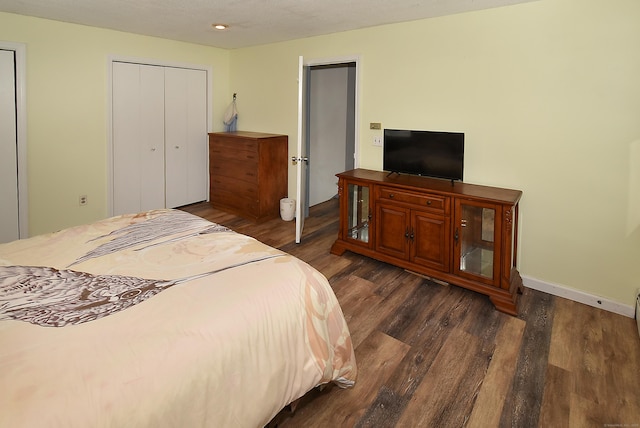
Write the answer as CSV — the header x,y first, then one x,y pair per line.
x,y
287,209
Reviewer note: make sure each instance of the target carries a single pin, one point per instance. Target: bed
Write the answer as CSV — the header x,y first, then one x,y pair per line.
x,y
161,319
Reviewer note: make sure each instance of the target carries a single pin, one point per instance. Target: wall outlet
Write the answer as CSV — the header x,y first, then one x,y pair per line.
x,y
377,141
83,200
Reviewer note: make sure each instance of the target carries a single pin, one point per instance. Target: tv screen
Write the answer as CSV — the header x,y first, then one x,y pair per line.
x,y
429,153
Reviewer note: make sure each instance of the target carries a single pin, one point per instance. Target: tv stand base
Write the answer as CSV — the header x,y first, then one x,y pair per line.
x,y
430,226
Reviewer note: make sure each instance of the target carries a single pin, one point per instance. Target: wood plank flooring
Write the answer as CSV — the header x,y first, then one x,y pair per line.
x,y
440,356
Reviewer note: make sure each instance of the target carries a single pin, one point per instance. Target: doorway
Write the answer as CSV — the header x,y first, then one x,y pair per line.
x,y
331,127
13,175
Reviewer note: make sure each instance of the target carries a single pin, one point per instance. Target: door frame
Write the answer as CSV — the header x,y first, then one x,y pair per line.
x,y
20,50
311,62
146,61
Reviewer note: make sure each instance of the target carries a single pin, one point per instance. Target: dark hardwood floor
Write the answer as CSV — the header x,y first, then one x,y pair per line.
x,y
440,356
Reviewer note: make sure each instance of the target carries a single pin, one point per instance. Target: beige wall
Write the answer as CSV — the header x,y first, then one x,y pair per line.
x,y
549,98
546,92
67,101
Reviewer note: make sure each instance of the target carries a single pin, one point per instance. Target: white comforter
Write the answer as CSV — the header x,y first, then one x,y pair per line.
x,y
161,319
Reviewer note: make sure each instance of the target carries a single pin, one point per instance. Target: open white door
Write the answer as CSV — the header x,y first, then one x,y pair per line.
x,y
301,160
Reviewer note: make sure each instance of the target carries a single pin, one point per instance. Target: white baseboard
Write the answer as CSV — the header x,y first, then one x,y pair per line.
x,y
579,296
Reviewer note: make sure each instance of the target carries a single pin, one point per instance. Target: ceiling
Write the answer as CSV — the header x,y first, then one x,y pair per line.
x,y
251,22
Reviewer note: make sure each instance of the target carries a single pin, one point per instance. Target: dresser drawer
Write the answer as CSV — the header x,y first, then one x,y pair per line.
x,y
233,185
238,170
217,152
229,144
433,202
223,198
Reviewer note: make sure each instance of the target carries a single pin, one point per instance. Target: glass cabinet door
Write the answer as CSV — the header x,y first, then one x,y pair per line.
x,y
475,236
358,212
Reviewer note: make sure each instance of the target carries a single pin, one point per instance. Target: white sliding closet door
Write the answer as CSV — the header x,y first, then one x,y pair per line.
x,y
159,137
186,136
138,138
9,223
151,142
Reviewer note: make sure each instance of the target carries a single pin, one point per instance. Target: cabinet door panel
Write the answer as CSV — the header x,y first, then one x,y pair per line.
x,y
477,235
358,214
430,246
392,230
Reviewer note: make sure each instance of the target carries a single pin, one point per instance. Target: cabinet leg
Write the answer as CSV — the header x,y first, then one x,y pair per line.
x,y
508,307
337,248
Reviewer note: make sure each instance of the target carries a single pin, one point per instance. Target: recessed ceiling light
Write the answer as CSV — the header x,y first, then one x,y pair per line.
x,y
220,26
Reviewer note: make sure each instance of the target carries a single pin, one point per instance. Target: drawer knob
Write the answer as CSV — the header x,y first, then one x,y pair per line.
x,y
391,195
428,202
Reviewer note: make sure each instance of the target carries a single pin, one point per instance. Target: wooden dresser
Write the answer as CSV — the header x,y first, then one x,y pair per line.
x,y
248,173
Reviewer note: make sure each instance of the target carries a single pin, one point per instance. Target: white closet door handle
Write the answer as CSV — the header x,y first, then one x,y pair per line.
x,y
177,147
153,149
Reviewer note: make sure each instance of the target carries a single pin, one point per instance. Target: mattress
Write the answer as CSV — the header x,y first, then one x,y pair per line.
x,y
162,319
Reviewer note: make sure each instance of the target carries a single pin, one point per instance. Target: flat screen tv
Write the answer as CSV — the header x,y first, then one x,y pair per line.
x,y
429,153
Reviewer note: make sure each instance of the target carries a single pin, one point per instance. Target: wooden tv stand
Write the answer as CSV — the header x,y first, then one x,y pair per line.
x,y
460,233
